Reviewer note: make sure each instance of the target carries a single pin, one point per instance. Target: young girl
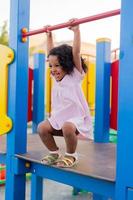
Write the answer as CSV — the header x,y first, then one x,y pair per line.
x,y
70,114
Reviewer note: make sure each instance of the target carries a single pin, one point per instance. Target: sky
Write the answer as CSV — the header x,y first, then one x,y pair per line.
x,y
44,12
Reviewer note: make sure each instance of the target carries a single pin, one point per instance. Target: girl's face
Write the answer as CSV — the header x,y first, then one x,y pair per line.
x,y
56,68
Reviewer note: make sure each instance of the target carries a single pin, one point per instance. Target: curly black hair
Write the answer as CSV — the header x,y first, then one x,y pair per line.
x,y
65,58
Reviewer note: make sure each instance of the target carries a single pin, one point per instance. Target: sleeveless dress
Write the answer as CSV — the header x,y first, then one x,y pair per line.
x,y
69,104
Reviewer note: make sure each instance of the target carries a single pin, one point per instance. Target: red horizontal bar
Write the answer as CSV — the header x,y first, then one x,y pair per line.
x,y
76,22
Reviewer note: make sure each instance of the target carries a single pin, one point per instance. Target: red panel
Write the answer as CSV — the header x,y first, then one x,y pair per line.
x,y
114,97
2,174
30,94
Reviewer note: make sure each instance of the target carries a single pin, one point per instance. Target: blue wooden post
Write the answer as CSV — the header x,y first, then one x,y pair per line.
x,y
38,90
38,115
101,133
130,194
124,175
36,187
103,55
17,97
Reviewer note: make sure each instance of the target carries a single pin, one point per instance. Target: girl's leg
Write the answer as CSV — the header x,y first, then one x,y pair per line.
x,y
46,132
70,134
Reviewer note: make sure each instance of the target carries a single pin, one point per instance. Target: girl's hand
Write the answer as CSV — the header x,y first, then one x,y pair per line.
x,y
72,27
48,32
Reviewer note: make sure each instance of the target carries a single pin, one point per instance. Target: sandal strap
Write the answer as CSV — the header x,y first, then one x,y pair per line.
x,y
67,161
50,158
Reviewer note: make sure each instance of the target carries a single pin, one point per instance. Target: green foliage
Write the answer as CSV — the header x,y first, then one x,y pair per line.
x,y
4,38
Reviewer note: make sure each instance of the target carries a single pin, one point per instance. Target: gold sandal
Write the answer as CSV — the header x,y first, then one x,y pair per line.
x,y
67,161
50,159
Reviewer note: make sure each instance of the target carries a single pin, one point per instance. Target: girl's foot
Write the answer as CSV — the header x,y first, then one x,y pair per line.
x,y
67,161
51,159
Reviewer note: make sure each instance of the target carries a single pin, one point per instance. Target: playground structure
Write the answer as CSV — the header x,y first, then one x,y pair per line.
x,y
88,86
105,176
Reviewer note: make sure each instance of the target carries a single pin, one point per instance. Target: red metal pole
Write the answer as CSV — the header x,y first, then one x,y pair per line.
x,y
77,21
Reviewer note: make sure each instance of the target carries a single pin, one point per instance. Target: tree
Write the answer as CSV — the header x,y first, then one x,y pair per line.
x,y
4,38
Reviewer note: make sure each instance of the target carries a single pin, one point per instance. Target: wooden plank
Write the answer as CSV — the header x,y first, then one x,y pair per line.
x,y
96,160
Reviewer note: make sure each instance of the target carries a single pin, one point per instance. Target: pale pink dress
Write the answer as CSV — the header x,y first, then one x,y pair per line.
x,y
69,104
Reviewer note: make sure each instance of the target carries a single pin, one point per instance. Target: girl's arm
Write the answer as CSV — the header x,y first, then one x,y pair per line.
x,y
50,43
76,47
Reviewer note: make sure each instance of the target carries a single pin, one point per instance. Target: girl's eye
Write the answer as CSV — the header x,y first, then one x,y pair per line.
x,y
57,65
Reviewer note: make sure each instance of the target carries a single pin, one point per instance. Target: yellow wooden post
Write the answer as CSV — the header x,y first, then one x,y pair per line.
x,y
91,87
48,92
84,86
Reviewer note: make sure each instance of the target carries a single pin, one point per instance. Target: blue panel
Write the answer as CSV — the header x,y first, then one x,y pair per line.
x,y
101,187
38,91
130,194
101,133
17,93
124,175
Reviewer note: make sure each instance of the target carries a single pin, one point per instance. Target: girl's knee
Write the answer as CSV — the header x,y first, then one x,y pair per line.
x,y
43,128
68,128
